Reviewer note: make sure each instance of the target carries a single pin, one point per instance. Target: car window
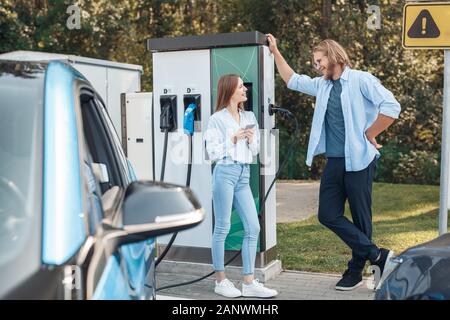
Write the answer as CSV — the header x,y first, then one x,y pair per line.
x,y
100,144
21,152
123,162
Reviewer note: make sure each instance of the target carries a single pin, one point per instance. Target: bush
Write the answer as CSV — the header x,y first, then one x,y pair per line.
x,y
417,167
388,162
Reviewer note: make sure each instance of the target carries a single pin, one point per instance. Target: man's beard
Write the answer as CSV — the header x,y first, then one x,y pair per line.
x,y
330,70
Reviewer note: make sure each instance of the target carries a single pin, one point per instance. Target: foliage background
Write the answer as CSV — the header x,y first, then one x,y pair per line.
x,y
117,30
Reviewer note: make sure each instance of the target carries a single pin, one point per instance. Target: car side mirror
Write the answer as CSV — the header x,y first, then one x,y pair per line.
x,y
152,209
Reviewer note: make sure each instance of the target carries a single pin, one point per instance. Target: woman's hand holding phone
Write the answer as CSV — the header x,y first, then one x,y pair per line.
x,y
249,131
240,134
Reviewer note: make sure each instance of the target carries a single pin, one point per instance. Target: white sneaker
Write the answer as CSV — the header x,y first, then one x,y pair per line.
x,y
227,289
257,289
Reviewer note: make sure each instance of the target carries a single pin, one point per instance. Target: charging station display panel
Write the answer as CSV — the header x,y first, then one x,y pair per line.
x,y
243,61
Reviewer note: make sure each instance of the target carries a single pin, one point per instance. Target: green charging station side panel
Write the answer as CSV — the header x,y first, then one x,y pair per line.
x,y
244,62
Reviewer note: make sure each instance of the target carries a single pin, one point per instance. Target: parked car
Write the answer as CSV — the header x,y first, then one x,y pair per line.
x,y
421,273
74,222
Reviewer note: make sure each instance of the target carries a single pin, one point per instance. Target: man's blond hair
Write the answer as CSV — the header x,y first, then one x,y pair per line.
x,y
334,51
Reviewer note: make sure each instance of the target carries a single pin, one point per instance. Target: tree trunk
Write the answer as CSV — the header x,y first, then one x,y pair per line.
x,y
326,19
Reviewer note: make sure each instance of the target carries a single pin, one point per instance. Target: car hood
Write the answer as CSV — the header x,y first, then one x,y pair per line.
x,y
422,272
437,247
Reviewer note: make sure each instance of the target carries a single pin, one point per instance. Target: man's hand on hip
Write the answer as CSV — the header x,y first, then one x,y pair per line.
x,y
381,124
372,139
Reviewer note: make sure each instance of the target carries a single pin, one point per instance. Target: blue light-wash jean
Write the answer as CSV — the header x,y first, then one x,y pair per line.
x,y
231,189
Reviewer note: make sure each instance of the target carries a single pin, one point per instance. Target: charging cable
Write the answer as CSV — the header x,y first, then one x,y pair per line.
x,y
188,125
189,130
166,124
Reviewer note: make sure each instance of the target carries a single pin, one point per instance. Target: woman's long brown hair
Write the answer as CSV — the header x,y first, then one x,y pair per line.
x,y
225,88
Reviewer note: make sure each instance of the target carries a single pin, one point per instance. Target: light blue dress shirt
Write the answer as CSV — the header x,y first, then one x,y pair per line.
x,y
363,97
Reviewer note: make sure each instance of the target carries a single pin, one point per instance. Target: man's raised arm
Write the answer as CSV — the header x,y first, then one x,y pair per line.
x,y
284,69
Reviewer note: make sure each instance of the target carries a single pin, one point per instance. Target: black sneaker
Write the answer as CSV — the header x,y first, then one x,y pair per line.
x,y
382,263
350,280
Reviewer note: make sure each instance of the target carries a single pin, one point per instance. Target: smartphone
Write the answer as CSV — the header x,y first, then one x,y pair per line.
x,y
249,126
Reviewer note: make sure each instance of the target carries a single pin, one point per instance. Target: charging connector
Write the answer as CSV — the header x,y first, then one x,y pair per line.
x,y
188,101
168,123
273,109
189,119
168,116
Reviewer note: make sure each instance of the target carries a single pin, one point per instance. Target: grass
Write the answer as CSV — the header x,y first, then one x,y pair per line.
x,y
403,216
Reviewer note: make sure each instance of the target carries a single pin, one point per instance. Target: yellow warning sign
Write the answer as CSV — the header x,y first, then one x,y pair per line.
x,y
426,25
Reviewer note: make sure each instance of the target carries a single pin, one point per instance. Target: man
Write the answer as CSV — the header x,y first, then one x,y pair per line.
x,y
352,109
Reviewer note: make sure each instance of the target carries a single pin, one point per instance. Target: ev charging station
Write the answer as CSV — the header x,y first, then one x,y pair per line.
x,y
186,71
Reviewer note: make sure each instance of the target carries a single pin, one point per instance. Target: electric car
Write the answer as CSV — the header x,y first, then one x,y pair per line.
x,y
74,222
421,273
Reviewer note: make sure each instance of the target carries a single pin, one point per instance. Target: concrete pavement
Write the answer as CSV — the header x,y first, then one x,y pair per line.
x,y
291,285
296,201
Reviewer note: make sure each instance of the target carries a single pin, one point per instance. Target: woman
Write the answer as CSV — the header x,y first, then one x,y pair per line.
x,y
232,140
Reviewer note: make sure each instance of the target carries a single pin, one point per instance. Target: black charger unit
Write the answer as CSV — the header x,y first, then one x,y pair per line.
x,y
168,116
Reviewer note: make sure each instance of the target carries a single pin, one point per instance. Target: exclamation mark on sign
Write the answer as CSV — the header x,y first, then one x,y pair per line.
x,y
424,26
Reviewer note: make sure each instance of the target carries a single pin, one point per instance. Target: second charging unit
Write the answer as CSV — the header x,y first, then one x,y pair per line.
x,y
186,71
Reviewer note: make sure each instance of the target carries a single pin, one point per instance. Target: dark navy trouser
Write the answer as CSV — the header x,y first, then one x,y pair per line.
x,y
337,186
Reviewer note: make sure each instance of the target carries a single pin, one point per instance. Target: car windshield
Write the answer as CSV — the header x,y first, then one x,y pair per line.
x,y
21,118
